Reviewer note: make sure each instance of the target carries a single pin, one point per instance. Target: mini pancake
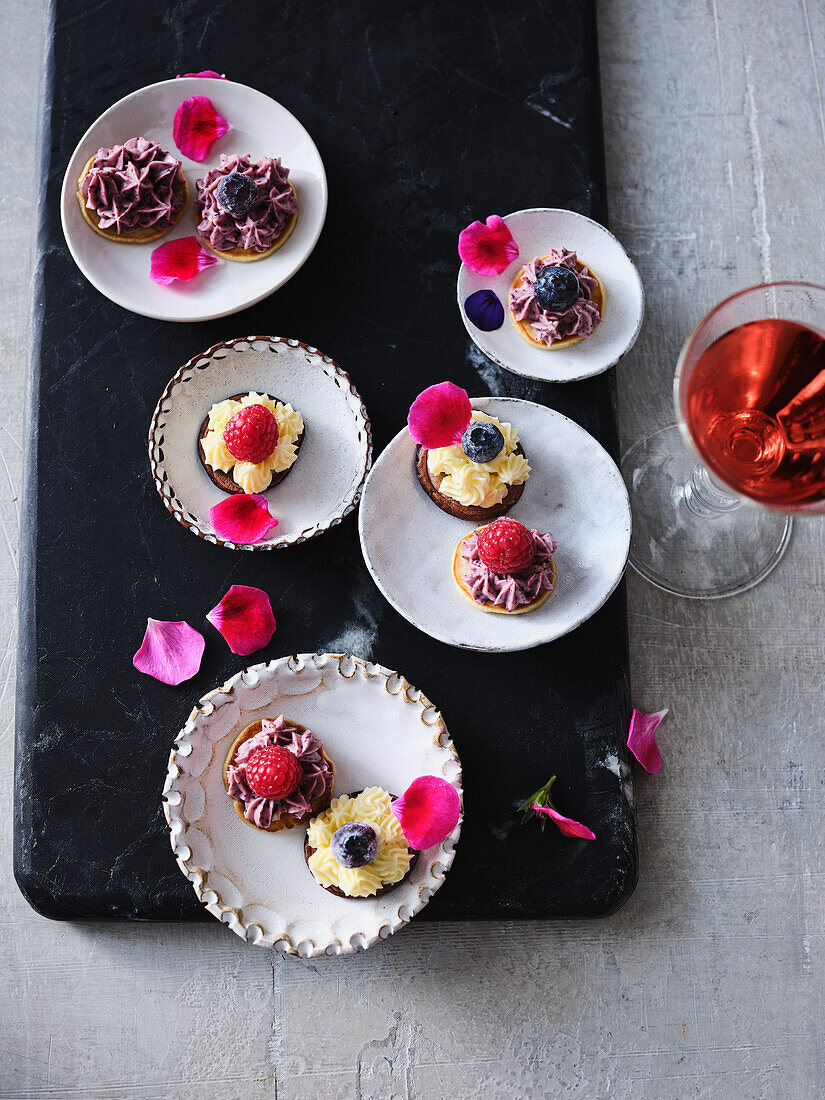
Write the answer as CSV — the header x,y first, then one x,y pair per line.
x,y
317,805
461,568
524,329
224,481
452,507
140,234
244,255
339,893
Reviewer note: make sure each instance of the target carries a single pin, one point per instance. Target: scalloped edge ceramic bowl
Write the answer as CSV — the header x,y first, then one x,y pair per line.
x,y
335,457
377,728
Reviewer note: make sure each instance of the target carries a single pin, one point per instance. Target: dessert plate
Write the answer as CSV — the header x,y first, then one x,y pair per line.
x,y
260,127
575,492
335,456
378,730
536,232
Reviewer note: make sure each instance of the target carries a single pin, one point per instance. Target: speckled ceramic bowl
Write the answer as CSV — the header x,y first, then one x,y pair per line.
x,y
323,486
378,730
536,232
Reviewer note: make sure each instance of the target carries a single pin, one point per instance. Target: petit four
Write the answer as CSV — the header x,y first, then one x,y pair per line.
x,y
505,568
246,209
356,848
133,193
250,442
278,774
556,300
469,463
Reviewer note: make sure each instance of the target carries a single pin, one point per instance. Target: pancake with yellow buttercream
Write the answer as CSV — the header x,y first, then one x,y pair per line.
x,y
392,863
474,490
225,470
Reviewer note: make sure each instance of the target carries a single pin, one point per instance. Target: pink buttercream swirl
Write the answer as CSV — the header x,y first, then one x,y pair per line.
x,y
260,228
317,773
579,320
132,186
503,590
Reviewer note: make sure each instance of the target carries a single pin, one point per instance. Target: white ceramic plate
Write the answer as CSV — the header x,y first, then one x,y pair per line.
x,y
260,127
325,483
377,729
536,232
575,492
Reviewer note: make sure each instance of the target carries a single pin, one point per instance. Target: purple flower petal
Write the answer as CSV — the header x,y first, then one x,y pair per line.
x,y
485,310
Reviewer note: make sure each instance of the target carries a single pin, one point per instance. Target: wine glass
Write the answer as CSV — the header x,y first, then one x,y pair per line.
x,y
711,518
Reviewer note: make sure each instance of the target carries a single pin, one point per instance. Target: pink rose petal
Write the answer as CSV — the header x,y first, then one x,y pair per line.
x,y
439,415
566,824
428,810
487,249
206,72
244,617
243,518
171,651
181,259
197,127
641,740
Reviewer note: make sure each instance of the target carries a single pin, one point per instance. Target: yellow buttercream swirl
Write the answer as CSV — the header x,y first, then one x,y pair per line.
x,y
479,484
252,477
371,806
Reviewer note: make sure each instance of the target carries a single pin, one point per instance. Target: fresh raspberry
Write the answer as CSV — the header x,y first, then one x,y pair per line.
x,y
251,435
273,772
506,546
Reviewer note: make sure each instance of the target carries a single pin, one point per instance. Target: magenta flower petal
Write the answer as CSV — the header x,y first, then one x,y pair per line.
x,y
487,249
181,259
171,652
244,617
566,824
641,739
206,72
428,810
243,518
439,415
485,310
197,127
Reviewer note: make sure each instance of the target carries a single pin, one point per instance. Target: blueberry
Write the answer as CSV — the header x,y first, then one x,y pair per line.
x,y
236,194
354,844
482,441
557,288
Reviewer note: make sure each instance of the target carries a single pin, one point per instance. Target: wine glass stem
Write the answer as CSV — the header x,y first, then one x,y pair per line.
x,y
703,497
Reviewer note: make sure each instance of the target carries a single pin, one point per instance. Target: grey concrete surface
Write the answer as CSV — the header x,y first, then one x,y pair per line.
x,y
709,982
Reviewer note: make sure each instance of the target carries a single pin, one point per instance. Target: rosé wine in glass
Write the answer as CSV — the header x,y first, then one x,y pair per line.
x,y
755,409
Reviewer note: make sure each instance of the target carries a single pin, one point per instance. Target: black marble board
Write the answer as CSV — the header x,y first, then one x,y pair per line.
x,y
427,115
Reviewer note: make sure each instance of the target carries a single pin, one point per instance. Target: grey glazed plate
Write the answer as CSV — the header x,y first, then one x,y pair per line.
x,y
536,232
325,483
575,492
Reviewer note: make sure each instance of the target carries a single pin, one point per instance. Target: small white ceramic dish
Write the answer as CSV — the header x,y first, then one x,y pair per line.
x,y
575,492
260,127
325,483
377,729
536,232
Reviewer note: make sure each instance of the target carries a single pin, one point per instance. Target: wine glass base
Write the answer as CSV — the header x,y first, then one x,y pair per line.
x,y
688,551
